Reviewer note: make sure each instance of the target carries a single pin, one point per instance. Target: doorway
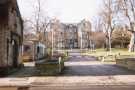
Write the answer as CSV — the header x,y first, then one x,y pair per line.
x,y
15,53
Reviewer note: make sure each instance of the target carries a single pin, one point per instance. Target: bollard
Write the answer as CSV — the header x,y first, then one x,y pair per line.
x,y
59,64
103,59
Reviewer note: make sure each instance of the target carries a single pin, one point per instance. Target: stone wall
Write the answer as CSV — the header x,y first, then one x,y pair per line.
x,y
128,63
11,29
3,48
50,67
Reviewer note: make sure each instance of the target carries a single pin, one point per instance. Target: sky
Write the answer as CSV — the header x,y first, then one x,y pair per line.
x,y
68,11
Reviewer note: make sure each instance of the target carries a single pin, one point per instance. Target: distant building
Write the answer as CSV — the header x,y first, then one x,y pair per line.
x,y
11,35
69,35
33,47
57,33
84,34
28,51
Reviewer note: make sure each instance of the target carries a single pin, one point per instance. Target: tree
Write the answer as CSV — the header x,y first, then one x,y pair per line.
x,y
127,9
120,37
98,23
29,26
98,39
40,22
98,36
108,15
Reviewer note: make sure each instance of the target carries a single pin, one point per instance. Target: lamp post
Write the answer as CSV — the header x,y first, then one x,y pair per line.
x,y
109,31
52,42
81,40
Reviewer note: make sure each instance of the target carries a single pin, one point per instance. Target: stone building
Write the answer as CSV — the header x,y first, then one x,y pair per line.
x,y
69,35
34,47
57,34
54,35
29,47
62,36
11,35
84,34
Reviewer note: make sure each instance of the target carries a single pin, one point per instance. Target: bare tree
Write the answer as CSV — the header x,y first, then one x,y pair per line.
x,y
108,15
127,8
98,24
120,37
41,21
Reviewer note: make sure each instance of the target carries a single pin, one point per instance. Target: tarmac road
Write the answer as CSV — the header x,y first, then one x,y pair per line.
x,y
86,73
83,87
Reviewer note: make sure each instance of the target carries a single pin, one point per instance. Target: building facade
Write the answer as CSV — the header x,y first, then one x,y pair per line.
x,y
69,35
11,35
34,47
84,34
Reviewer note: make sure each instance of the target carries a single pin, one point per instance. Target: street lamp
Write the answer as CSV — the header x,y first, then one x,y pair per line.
x,y
52,42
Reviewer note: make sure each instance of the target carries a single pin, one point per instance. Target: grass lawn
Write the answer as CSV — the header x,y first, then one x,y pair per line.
x,y
102,52
120,53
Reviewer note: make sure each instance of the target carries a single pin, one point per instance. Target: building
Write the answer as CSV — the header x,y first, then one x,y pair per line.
x,y
29,47
84,34
11,35
57,34
69,35
34,47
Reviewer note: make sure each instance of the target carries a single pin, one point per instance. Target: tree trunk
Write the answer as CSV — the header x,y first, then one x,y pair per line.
x,y
107,43
132,42
110,44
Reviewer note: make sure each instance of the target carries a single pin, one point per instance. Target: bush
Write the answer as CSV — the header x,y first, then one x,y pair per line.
x,y
120,38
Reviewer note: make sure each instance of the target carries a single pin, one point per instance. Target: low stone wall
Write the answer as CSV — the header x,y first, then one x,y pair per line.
x,y
128,63
51,67
131,64
3,71
109,58
121,62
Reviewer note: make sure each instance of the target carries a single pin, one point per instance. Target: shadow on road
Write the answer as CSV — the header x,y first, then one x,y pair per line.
x,y
27,71
96,70
79,70
79,66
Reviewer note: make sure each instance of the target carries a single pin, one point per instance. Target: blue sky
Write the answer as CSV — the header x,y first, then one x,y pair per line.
x,y
66,10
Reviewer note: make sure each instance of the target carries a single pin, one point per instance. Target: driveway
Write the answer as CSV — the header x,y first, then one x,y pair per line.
x,y
88,66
